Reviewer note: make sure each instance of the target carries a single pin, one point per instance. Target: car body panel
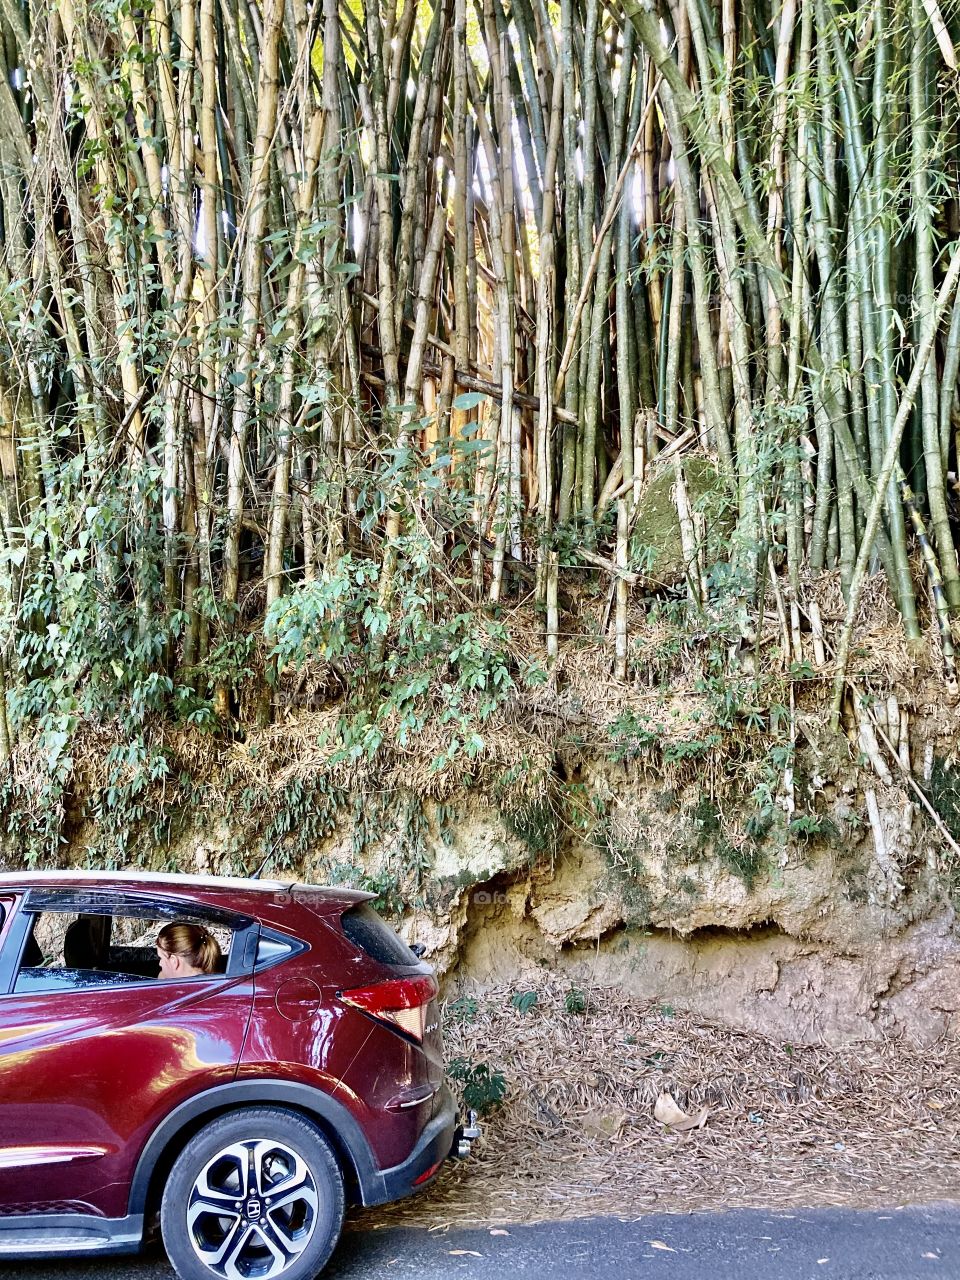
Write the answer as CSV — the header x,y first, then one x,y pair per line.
x,y
122,1058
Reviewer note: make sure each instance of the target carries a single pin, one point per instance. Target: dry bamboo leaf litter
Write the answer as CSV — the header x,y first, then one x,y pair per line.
x,y
799,1125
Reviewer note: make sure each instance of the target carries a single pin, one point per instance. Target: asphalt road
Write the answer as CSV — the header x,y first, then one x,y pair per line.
x,y
824,1244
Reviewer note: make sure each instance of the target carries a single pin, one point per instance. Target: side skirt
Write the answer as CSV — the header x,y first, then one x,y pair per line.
x,y
38,1235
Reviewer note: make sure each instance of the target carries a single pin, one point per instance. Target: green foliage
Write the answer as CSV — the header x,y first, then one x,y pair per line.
x,y
943,791
395,824
294,819
656,532
462,1011
632,736
530,810
691,748
444,666
524,1001
483,1088
384,883
636,737
812,826
88,642
760,822
126,800
575,1001
706,816
229,662
147,439
625,861
94,644
412,853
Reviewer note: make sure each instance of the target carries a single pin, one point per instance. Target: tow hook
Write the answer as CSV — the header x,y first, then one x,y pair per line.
x,y
466,1136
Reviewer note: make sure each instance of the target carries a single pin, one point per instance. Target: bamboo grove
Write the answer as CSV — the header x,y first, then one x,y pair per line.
x,y
263,261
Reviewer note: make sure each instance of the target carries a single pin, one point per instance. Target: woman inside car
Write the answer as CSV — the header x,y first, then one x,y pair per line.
x,y
187,951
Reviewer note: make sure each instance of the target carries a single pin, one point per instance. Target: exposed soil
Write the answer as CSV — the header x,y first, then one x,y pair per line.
x,y
846,986
784,1125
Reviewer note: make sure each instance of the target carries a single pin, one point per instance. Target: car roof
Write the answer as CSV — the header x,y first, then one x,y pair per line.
x,y
154,879
246,894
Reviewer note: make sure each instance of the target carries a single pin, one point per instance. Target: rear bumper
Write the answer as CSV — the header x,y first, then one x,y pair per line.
x,y
434,1145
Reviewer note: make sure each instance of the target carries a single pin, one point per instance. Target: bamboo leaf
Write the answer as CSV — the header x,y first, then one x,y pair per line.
x,y
469,400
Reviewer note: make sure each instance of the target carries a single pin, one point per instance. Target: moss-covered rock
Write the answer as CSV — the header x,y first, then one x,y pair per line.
x,y
656,535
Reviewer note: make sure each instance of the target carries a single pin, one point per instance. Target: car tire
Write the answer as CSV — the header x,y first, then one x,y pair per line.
x,y
258,1193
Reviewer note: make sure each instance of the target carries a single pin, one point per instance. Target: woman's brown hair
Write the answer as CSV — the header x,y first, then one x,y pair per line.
x,y
192,943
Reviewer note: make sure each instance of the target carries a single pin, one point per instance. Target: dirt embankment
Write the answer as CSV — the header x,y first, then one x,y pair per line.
x,y
835,927
824,945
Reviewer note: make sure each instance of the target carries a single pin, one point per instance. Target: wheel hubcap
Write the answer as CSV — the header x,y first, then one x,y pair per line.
x,y
252,1210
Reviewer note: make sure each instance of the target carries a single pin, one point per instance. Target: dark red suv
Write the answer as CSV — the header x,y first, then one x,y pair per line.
x,y
246,1106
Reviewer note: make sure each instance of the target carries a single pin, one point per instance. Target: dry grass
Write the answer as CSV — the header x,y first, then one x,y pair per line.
x,y
787,1125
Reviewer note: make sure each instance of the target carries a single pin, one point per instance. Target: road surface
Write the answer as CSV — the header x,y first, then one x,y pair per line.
x,y
823,1244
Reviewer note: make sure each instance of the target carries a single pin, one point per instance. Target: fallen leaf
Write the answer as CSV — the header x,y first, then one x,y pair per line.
x,y
604,1124
464,1253
498,1231
658,1244
668,1113
666,1110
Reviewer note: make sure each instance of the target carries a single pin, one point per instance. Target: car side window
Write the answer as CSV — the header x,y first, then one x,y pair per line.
x,y
78,951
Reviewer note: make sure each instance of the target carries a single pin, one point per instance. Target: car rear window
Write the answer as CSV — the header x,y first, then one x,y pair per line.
x,y
366,930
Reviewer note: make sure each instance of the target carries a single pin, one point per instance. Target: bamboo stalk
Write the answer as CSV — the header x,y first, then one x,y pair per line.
x,y
924,351
924,290
267,104
622,592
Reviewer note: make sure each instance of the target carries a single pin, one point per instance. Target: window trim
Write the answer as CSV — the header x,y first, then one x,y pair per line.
x,y
14,942
9,902
132,905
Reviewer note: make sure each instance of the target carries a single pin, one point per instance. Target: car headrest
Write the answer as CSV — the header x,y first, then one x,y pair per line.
x,y
80,946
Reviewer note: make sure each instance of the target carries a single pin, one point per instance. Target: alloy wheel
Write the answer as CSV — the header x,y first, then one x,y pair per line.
x,y
252,1210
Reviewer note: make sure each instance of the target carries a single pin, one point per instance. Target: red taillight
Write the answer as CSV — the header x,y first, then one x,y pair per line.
x,y
402,1002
